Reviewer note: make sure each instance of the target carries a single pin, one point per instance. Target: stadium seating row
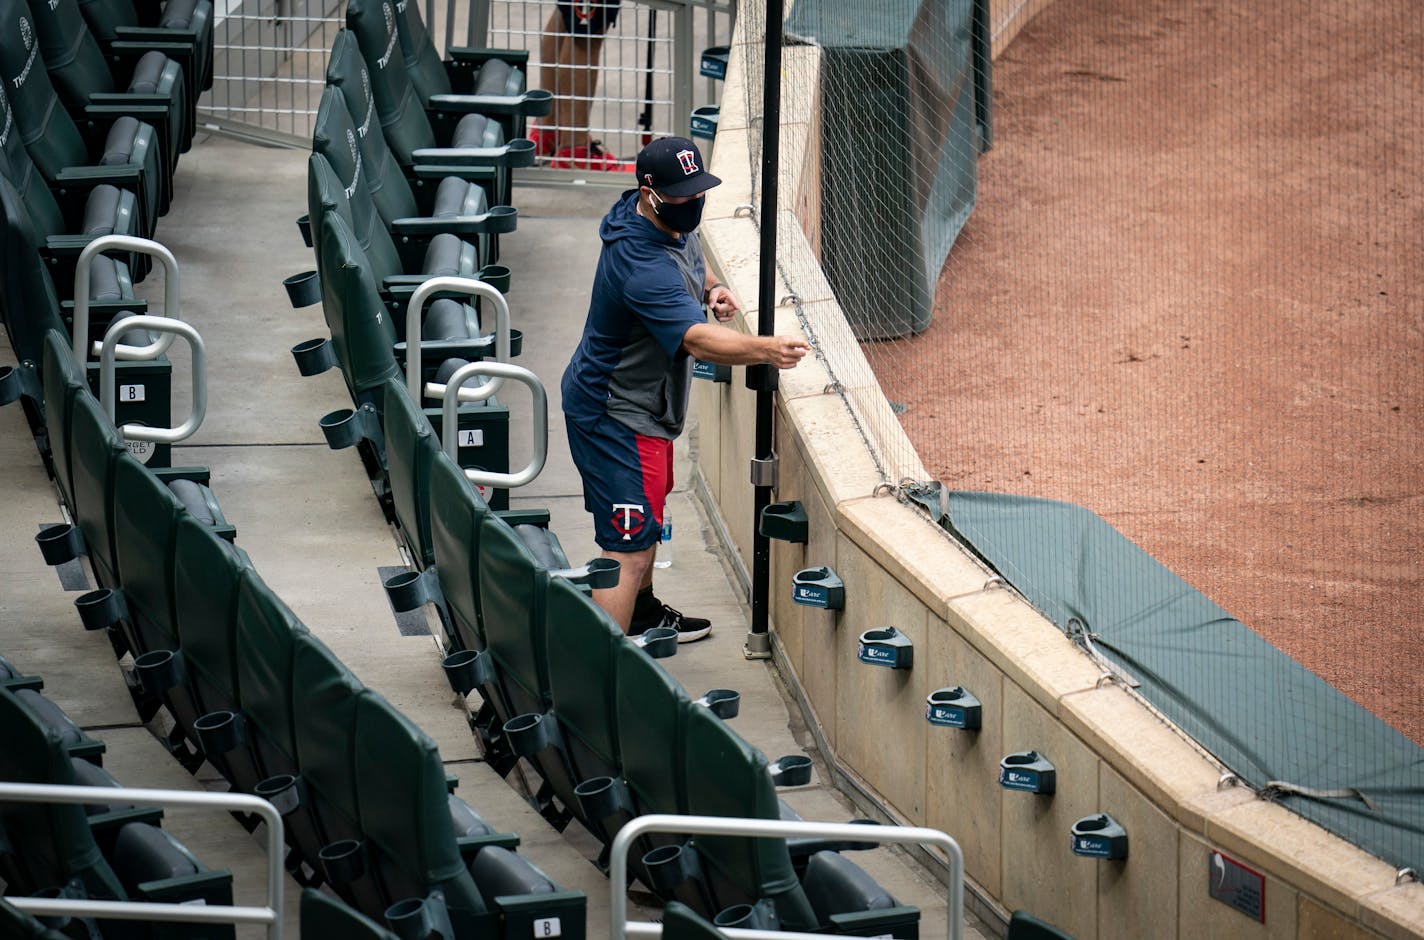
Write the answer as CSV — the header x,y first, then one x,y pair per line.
x,y
609,732
98,851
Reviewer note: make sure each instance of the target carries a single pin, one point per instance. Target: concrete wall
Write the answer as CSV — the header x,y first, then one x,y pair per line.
x,y
1111,753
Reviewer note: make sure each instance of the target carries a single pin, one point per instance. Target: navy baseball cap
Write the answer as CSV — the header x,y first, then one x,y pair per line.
x,y
673,166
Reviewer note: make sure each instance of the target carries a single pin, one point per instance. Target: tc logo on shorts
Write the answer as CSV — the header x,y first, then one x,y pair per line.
x,y
628,519
688,159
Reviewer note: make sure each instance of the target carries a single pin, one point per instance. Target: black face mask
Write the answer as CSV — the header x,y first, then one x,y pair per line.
x,y
683,217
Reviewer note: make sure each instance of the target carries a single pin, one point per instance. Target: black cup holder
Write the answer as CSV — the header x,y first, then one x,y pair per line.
x,y
9,385
744,917
1099,836
407,591
711,372
659,642
954,707
501,220
668,866
314,356
341,428
785,522
420,918
221,732
713,63
886,646
283,791
724,703
818,587
598,574
343,861
1028,771
703,121
160,670
496,275
602,797
467,670
304,226
101,609
793,770
304,289
60,543
538,102
528,734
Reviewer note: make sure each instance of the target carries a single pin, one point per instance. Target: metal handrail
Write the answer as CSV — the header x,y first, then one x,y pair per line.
x,y
270,916
459,285
169,327
450,417
171,302
620,926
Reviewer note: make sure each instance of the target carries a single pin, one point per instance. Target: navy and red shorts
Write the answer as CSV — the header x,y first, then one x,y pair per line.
x,y
626,479
588,17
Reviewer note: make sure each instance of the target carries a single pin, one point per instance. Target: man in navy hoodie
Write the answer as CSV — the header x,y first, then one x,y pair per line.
x,y
626,390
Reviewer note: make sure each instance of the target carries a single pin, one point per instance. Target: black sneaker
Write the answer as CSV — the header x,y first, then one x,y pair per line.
x,y
689,629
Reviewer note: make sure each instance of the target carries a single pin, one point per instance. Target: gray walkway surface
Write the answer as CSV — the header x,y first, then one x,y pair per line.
x,y
307,517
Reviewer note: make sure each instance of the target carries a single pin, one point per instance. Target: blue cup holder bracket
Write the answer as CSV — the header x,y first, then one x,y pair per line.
x,y
954,708
886,646
1099,836
711,372
713,63
818,587
785,522
1028,771
101,609
467,670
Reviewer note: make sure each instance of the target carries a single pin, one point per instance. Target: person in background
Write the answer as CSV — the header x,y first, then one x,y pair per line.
x,y
569,51
626,388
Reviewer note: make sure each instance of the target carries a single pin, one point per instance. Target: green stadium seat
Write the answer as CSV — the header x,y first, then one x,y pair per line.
x,y
121,150
681,922
62,382
51,845
94,449
323,916
266,635
411,447
475,140
184,27
147,86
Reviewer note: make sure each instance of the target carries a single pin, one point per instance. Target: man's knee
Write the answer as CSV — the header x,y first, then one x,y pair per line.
x,y
632,565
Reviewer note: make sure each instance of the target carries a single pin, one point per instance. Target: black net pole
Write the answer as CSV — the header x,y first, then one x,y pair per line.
x,y
763,379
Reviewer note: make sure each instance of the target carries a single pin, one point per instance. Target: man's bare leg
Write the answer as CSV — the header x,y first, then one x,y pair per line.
x,y
636,573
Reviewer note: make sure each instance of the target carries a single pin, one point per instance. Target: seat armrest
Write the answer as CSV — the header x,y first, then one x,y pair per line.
x,y
516,153
478,55
179,50
66,246
476,104
437,171
192,474
514,517
211,887
117,819
434,351
90,176
878,923
148,36
521,913
490,223
470,846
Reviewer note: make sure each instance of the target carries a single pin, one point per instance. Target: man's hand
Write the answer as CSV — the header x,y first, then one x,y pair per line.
x,y
785,351
723,305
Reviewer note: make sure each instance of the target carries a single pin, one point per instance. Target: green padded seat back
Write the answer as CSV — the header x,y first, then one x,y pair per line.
x,y
347,72
652,711
146,515
208,575
456,513
53,839
583,643
27,295
681,922
94,449
422,62
76,64
266,642
399,110
48,132
193,25
325,916
334,137
324,701
362,334
20,170
512,611
62,383
726,776
411,446
405,813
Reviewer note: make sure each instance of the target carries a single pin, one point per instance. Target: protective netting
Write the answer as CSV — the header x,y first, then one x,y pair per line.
x,y
1187,296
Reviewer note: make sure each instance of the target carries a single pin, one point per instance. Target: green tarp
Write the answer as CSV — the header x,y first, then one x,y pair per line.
x,y
1262,714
